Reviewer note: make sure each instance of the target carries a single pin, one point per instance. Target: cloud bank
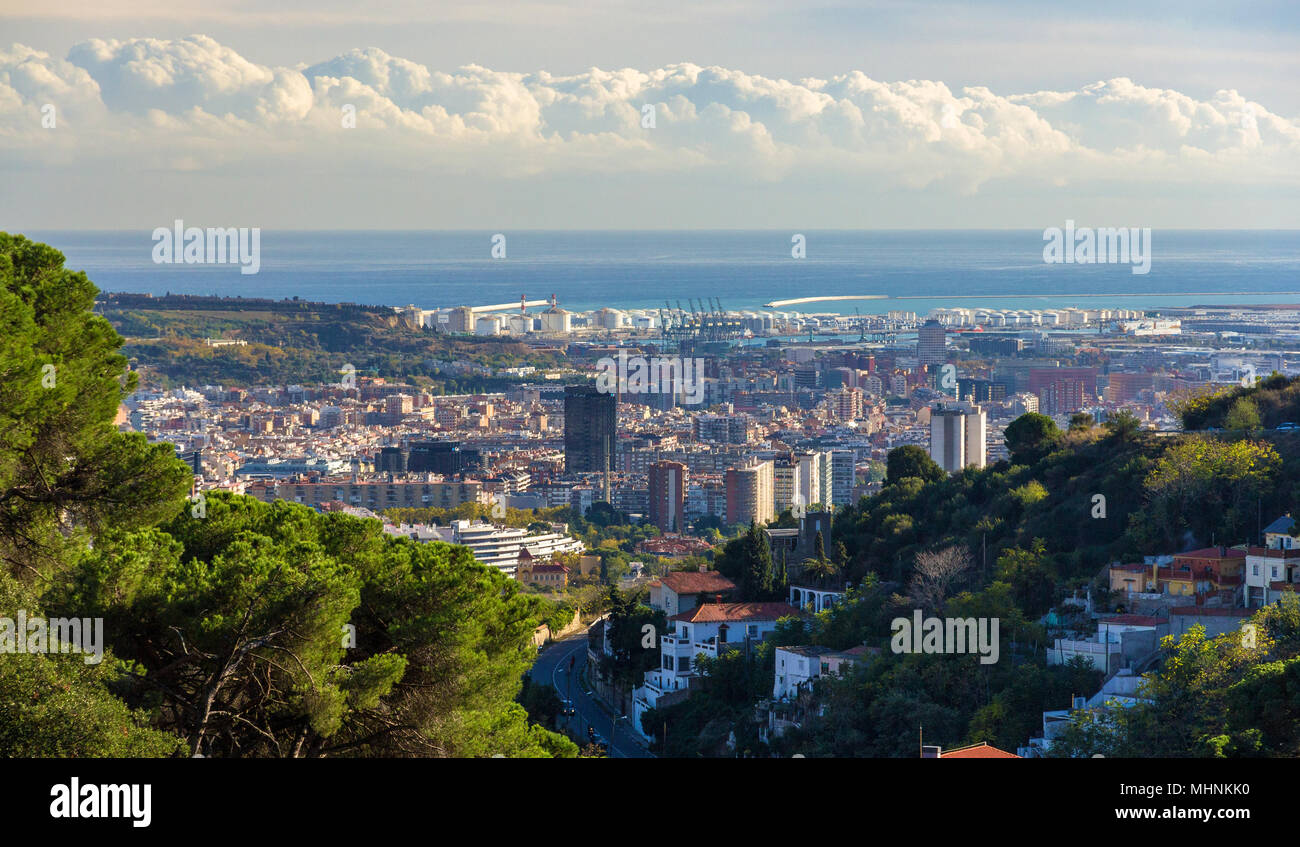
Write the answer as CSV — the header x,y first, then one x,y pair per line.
x,y
194,106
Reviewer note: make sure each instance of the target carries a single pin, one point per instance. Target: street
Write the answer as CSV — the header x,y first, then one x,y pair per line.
x,y
553,664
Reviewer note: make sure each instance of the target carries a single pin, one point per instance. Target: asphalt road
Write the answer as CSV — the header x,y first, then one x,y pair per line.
x,y
552,666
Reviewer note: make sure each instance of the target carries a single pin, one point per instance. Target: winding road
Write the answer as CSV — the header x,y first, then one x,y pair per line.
x,y
553,665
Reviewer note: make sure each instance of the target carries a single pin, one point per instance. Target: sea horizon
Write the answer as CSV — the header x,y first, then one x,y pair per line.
x,y
909,270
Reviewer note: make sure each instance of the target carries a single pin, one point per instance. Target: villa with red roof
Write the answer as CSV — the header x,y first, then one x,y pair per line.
x,y
681,591
706,629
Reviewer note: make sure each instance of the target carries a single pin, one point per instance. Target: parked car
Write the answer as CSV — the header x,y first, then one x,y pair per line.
x,y
1287,426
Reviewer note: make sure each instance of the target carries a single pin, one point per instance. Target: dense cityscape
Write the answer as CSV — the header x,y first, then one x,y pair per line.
x,y
789,414
388,389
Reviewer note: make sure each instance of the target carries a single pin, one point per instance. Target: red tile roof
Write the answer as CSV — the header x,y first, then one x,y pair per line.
x,y
1273,553
690,582
1211,553
982,750
733,612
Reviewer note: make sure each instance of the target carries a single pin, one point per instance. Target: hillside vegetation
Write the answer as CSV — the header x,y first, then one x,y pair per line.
x,y
300,342
1011,542
231,627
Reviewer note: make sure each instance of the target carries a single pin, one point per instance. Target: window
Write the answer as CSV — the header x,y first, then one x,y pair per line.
x,y
752,630
683,663
668,663
1254,570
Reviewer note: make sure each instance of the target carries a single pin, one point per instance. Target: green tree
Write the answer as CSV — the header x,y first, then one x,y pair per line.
x,y
1123,426
1209,486
67,474
1030,437
271,630
1242,417
1030,576
911,461
632,633
58,706
65,470
757,580
819,567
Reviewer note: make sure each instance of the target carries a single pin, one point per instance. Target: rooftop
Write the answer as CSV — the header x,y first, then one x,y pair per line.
x,y
1283,524
736,612
1215,611
983,750
692,582
1135,620
1273,553
1212,553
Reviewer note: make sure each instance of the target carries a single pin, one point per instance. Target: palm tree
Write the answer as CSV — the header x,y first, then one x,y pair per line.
x,y
820,569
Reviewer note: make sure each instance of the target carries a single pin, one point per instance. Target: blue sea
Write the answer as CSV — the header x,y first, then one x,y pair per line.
x,y
909,270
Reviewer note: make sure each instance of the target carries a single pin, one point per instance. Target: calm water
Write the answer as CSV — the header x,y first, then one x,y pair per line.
x,y
915,270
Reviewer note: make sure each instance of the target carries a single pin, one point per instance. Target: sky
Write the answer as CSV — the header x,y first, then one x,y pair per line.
x,y
121,114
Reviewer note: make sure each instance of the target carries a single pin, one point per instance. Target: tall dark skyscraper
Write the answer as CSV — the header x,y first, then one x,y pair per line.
x,y
390,460
590,426
931,348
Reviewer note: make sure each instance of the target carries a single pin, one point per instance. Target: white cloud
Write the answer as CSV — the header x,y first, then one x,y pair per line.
x,y
192,104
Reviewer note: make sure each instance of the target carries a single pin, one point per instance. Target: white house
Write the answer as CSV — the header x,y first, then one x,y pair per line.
x,y
1123,690
1273,567
796,668
1277,535
703,630
1106,650
1269,572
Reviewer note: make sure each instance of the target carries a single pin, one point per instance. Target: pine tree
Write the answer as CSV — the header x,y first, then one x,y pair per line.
x,y
757,581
